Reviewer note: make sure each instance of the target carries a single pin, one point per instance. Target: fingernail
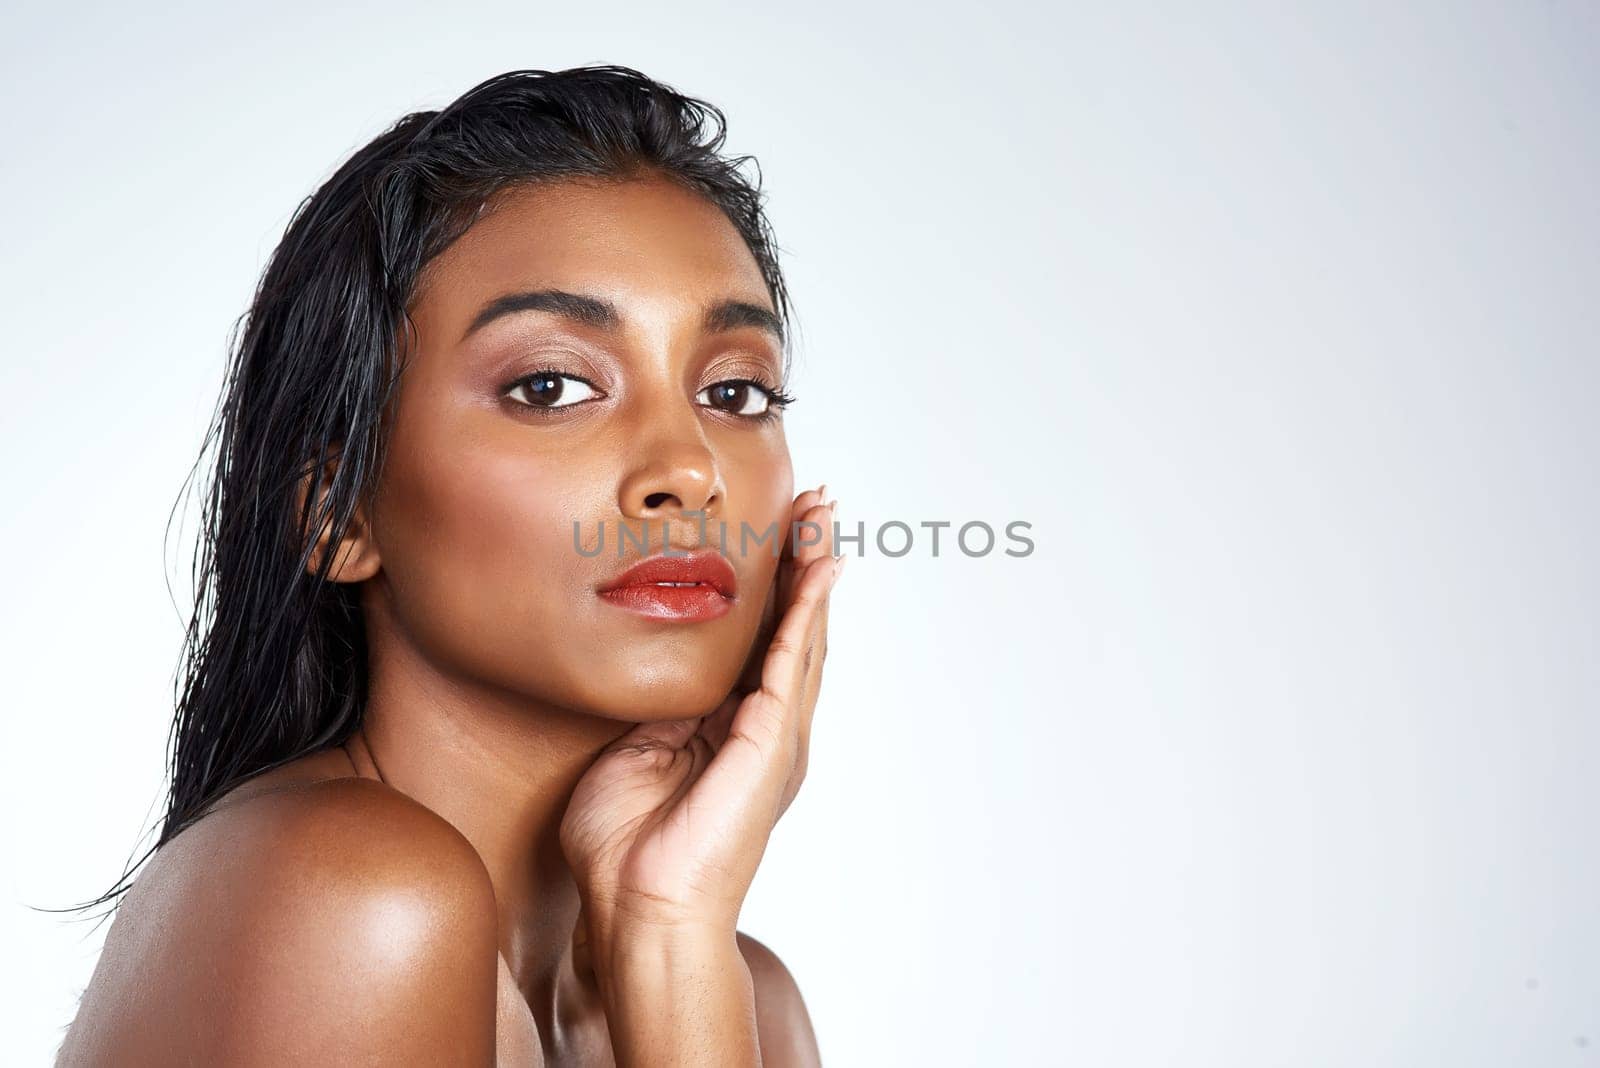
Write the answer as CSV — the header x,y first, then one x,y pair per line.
x,y
822,490
838,569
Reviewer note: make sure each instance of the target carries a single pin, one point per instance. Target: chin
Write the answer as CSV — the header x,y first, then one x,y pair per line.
x,y
681,690
664,674
677,702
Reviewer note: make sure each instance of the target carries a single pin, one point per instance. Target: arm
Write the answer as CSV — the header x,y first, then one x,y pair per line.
x,y
718,996
678,997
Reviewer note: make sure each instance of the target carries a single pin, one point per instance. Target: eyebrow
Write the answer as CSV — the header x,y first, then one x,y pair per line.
x,y
732,314
602,314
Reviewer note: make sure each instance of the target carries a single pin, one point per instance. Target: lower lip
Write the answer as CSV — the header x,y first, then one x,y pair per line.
x,y
682,604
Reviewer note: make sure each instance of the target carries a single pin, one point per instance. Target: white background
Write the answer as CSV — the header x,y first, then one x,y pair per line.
x,y
1278,325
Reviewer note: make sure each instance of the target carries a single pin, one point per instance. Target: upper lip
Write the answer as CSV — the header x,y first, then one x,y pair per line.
x,y
706,566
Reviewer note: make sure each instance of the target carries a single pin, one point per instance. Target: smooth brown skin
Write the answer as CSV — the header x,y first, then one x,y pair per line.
x,y
535,850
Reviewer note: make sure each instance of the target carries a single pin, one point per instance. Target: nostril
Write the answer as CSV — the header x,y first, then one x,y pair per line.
x,y
656,500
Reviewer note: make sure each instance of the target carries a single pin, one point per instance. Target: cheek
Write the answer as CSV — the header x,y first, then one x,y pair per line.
x,y
761,497
477,553
762,493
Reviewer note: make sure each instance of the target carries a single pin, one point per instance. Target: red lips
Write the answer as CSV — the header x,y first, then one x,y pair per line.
x,y
688,588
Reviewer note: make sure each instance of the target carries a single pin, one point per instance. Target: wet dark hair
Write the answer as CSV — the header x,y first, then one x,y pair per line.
x,y
274,657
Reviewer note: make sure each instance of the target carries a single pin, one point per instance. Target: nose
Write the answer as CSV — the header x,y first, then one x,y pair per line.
x,y
675,475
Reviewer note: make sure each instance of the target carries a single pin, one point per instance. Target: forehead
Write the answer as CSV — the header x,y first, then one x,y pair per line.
x,y
636,241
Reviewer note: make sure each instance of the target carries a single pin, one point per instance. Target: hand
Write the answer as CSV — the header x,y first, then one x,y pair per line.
x,y
666,828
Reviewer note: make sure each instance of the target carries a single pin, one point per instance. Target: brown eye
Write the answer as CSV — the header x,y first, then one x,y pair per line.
x,y
737,398
551,389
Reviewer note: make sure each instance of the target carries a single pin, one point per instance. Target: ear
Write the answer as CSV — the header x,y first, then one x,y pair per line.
x,y
356,556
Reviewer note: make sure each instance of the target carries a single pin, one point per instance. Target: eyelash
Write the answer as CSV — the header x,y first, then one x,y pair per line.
x,y
777,398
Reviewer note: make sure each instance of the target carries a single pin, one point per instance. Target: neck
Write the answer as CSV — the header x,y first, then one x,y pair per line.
x,y
501,769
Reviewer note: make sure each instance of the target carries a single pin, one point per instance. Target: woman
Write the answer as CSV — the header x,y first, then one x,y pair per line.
x,y
494,689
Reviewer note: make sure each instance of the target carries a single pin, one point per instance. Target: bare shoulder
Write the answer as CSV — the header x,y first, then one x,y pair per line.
x,y
787,1037
314,920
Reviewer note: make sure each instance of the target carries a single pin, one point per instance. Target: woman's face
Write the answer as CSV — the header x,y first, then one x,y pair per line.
x,y
488,469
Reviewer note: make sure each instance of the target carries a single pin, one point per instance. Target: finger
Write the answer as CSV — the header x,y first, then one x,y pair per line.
x,y
810,690
717,725
817,645
700,753
659,734
813,538
810,497
782,588
792,649
810,535
714,728
758,757
812,532
767,718
818,520
807,500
